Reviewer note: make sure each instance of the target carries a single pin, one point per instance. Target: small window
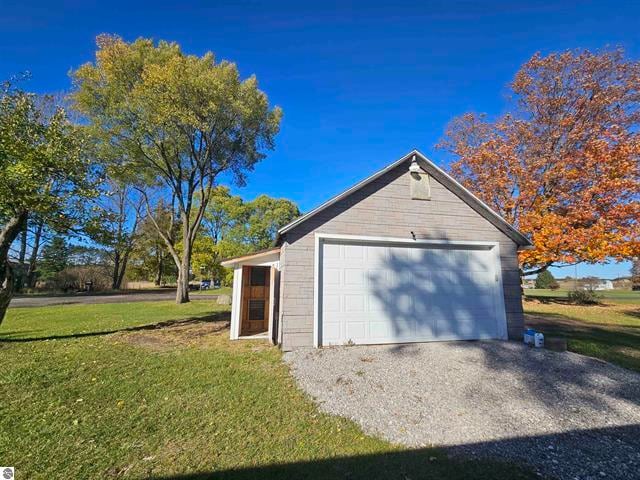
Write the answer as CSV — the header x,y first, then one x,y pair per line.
x,y
258,276
256,309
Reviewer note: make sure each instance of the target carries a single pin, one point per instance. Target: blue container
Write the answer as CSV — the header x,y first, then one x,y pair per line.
x,y
529,336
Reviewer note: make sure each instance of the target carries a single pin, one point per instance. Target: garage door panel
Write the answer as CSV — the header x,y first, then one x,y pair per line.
x,y
354,277
331,333
425,325
378,293
331,251
481,278
474,287
466,325
331,303
377,279
377,257
439,279
354,303
332,277
460,328
402,303
354,252
380,330
355,330
481,263
376,304
402,328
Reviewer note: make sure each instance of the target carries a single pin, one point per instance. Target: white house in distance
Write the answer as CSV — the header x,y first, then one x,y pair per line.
x,y
599,284
406,255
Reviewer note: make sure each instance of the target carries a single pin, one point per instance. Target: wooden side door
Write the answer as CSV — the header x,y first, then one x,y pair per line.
x,y
255,300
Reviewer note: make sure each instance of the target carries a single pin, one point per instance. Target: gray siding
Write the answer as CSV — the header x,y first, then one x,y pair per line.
x,y
385,208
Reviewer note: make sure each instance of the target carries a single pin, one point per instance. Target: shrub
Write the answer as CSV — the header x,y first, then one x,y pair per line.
x,y
73,278
584,297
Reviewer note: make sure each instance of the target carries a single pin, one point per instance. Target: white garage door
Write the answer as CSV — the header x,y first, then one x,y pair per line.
x,y
393,293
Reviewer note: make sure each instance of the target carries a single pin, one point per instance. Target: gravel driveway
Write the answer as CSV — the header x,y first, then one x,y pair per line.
x,y
564,414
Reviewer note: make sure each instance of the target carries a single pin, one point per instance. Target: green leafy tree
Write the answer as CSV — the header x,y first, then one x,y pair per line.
x,y
266,216
43,173
207,256
234,227
545,279
225,213
178,122
150,257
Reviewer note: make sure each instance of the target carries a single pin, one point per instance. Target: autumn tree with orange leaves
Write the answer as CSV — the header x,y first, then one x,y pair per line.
x,y
563,167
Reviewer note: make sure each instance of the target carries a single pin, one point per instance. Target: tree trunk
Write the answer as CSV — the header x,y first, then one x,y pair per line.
x,y
123,269
9,233
535,271
116,271
21,257
160,270
182,293
23,246
33,258
183,263
6,290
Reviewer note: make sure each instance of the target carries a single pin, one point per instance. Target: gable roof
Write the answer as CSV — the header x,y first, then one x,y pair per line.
x,y
438,174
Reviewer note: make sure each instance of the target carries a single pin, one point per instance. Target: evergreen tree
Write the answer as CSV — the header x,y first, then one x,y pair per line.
x,y
55,258
546,279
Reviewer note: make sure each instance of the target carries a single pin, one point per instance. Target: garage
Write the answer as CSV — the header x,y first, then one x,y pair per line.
x,y
405,255
397,291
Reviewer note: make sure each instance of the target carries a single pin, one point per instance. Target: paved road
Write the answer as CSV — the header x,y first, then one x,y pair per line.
x,y
81,298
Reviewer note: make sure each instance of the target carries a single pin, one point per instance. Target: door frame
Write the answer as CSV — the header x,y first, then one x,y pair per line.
x,y
269,259
321,238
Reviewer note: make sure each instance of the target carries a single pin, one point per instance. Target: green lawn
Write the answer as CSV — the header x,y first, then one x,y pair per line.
x,y
78,320
610,331
177,401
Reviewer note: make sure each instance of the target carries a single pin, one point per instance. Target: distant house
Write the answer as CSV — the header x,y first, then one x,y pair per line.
x,y
598,284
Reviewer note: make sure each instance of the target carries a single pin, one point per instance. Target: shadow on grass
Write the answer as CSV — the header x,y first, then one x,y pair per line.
x,y
602,301
573,454
408,464
616,344
548,299
633,313
214,317
561,325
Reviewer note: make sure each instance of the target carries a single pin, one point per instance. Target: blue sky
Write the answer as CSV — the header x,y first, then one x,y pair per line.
x,y
360,83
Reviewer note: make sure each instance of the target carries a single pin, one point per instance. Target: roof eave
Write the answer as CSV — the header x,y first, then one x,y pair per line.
x,y
229,262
